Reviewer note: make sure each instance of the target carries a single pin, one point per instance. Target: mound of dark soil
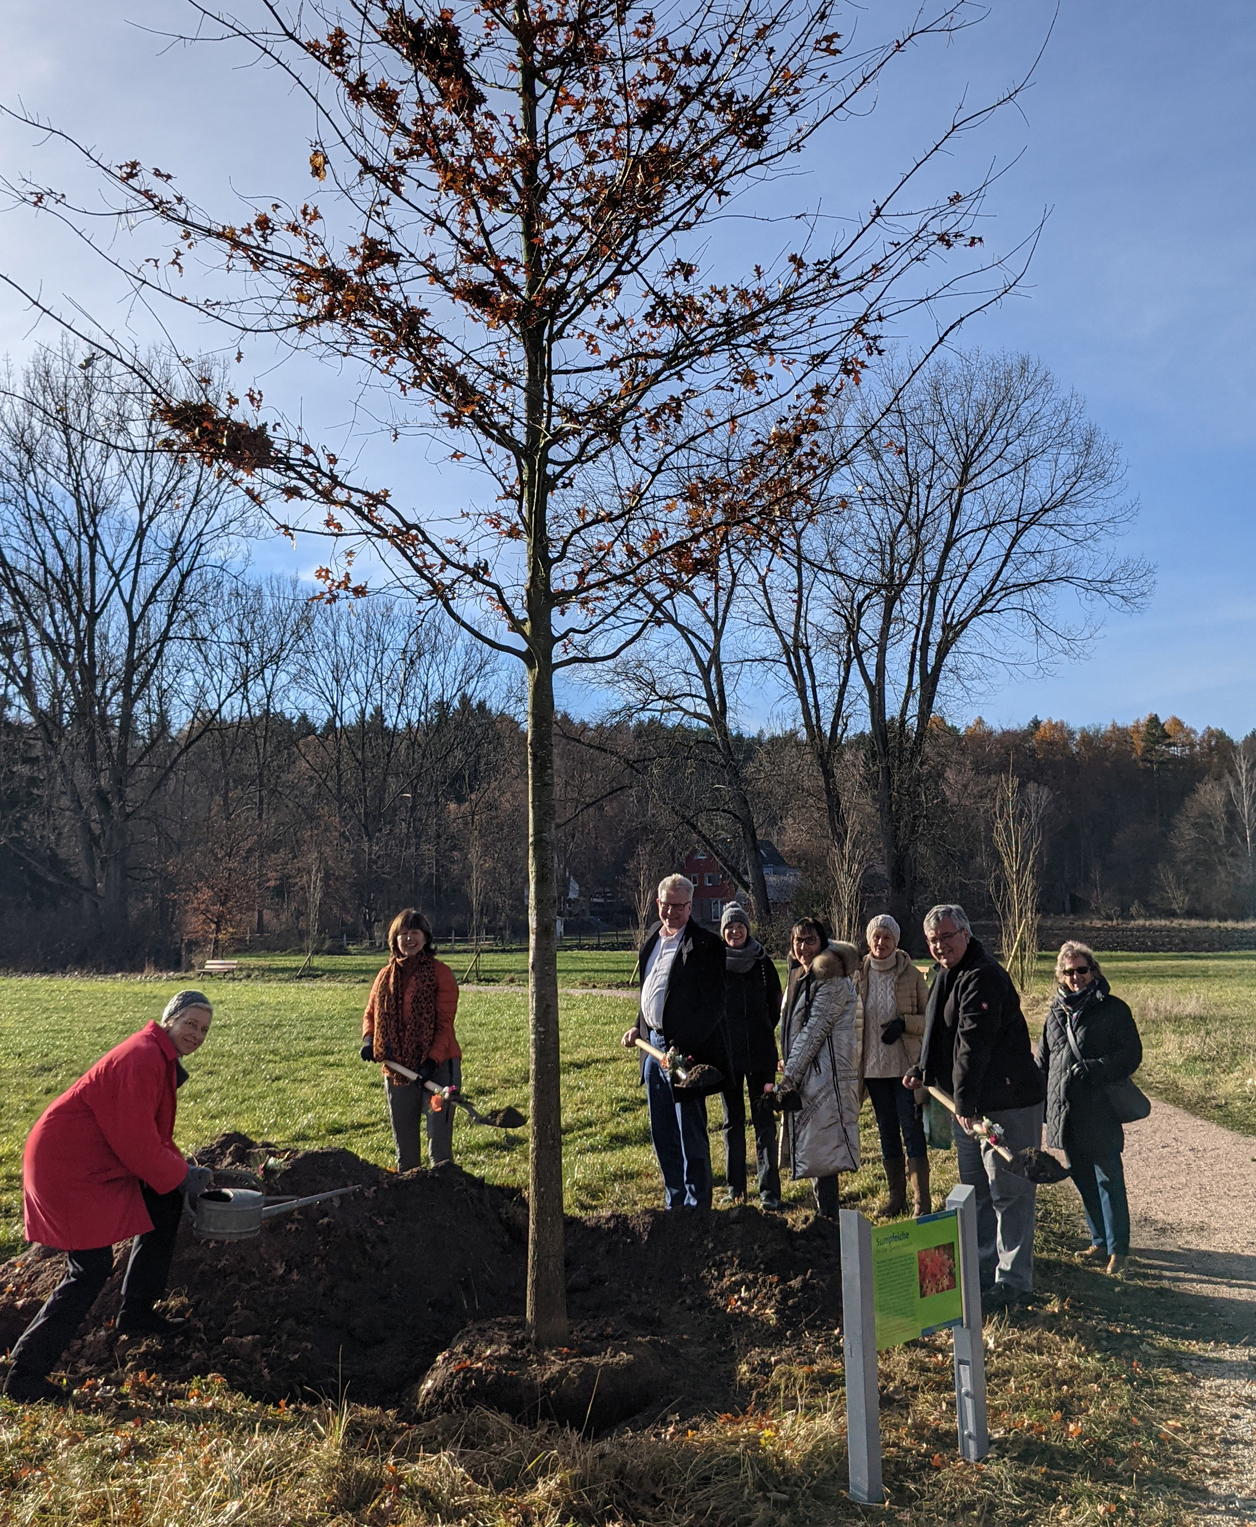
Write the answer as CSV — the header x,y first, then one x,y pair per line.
x,y
596,1382
675,1311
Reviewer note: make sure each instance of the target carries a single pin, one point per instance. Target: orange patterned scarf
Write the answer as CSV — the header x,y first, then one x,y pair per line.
x,y
404,1011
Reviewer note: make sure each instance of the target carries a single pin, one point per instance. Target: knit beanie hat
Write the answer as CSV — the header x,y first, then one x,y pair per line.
x,y
884,921
735,914
182,1000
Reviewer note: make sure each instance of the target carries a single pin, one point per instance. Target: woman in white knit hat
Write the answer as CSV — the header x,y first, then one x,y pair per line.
x,y
894,997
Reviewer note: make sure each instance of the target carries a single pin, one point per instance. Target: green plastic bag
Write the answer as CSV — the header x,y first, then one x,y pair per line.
x,y
938,1135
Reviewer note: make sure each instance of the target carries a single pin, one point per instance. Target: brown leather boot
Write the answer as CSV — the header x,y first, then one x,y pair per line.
x,y
918,1171
896,1176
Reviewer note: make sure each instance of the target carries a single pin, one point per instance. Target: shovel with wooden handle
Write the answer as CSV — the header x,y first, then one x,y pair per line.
x,y
1034,1165
685,1074
504,1118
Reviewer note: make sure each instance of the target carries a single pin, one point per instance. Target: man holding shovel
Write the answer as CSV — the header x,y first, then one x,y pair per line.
x,y
976,1049
681,968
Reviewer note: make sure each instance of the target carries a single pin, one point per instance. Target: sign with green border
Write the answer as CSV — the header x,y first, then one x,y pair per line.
x,y
915,1277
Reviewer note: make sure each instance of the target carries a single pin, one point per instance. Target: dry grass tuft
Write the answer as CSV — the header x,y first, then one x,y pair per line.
x,y
1183,1005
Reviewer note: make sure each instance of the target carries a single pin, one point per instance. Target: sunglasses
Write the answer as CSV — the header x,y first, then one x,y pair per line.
x,y
1077,970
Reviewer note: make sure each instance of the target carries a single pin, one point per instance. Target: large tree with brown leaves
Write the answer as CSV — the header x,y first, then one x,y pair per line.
x,y
515,233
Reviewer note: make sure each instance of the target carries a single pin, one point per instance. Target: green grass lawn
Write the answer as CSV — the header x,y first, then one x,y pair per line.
x,y
281,1064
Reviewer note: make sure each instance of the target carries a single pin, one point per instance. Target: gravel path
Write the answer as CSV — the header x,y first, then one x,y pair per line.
x,y
1192,1191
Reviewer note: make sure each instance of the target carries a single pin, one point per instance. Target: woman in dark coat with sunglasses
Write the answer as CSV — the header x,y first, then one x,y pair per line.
x,y
1088,1042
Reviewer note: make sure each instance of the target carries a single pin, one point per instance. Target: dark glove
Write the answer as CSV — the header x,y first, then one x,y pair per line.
x,y
367,1051
788,1099
196,1181
1079,1069
893,1030
427,1071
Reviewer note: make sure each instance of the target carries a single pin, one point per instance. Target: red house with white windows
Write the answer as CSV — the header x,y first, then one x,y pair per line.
x,y
713,890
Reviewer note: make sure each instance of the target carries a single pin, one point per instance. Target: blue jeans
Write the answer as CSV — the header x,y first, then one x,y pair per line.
x,y
899,1121
1101,1182
678,1129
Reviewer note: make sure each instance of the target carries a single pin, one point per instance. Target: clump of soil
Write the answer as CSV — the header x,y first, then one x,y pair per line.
x,y
597,1382
411,1291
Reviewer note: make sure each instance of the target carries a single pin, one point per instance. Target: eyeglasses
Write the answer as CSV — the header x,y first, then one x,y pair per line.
x,y
1077,970
937,937
675,906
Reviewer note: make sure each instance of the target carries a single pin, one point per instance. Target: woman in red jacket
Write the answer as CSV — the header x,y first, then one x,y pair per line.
x,y
410,1019
101,1166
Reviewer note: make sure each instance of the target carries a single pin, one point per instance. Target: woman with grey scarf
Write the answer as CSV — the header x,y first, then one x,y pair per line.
x,y
752,1004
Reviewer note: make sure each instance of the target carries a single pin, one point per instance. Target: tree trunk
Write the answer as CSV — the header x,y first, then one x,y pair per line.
x,y
754,861
115,911
547,1291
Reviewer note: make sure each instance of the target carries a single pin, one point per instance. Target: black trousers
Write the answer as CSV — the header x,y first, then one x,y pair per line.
x,y
148,1270
828,1201
899,1122
764,1122
86,1273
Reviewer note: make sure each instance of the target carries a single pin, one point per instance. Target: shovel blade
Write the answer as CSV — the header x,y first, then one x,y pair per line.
x,y
698,1078
504,1118
1038,1166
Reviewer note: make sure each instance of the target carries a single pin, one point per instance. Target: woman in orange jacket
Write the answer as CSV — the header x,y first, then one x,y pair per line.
x,y
410,1019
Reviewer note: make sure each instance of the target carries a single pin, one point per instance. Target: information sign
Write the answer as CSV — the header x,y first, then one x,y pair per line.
x,y
901,1281
916,1278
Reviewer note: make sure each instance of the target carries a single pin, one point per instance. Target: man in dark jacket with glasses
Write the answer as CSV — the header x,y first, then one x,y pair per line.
x,y
976,1049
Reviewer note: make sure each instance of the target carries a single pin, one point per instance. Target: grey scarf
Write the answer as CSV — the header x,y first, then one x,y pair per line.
x,y
742,960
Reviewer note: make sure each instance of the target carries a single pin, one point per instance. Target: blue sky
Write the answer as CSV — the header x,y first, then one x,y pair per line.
x,y
1136,137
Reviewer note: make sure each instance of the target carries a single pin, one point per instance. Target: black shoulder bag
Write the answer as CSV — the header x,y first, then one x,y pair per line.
x,y
1129,1102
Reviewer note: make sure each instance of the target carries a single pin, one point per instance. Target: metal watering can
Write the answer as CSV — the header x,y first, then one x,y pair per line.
x,y
236,1214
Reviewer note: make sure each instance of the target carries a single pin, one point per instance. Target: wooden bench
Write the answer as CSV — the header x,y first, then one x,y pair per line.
x,y
219,967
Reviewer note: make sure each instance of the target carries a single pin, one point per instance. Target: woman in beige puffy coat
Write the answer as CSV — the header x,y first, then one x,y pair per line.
x,y
894,996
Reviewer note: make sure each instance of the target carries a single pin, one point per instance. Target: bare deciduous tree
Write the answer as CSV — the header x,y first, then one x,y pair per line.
x,y
970,530
688,673
1241,783
113,554
386,681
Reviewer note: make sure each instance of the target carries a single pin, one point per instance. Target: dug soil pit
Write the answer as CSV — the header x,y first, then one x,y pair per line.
x,y
410,1292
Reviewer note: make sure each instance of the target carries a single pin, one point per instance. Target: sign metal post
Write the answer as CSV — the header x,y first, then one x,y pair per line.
x,y
970,1360
859,1350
